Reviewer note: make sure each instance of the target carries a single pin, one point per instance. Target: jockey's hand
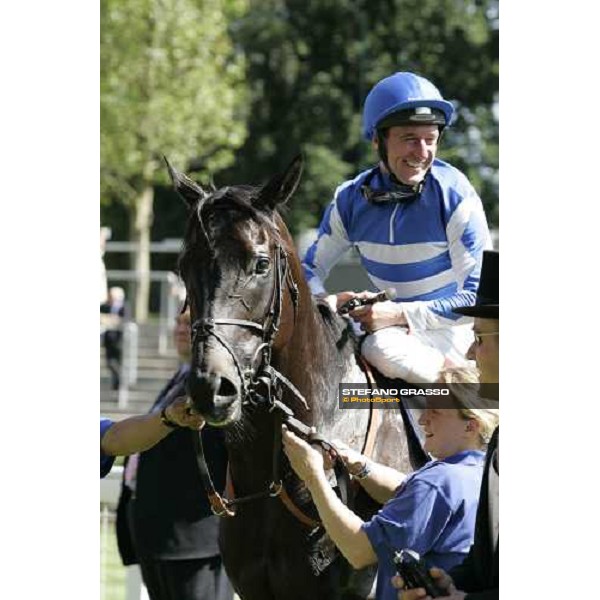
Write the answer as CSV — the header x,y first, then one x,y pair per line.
x,y
443,580
181,412
379,315
336,300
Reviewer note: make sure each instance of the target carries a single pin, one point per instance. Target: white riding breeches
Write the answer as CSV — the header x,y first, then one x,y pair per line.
x,y
416,356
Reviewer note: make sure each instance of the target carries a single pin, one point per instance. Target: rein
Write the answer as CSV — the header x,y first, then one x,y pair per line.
x,y
282,415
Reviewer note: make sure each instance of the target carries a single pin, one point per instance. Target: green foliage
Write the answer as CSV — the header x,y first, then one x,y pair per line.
x,y
310,64
171,84
323,172
236,88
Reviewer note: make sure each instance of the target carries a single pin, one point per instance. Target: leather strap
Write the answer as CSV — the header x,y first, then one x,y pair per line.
x,y
280,377
304,519
374,415
218,505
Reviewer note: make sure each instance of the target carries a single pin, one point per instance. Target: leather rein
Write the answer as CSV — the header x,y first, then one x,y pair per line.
x,y
258,389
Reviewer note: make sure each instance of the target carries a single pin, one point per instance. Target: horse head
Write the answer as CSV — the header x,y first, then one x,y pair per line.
x,y
240,288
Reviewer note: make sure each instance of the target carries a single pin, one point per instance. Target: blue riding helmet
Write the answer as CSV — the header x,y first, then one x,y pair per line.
x,y
404,98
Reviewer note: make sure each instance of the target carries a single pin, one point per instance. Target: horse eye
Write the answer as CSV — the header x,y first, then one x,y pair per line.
x,y
262,265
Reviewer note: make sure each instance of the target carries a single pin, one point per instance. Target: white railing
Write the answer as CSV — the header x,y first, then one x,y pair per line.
x,y
168,284
129,362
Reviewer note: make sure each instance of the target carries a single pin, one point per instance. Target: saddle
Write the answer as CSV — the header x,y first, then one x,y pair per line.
x,y
414,435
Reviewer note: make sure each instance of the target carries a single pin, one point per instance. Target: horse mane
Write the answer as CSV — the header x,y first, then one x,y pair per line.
x,y
339,328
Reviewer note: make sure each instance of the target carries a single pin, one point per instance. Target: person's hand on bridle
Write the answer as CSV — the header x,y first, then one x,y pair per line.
x,y
181,412
353,460
306,461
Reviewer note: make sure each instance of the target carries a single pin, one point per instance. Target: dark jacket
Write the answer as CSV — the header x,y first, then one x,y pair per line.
x,y
478,575
170,514
112,338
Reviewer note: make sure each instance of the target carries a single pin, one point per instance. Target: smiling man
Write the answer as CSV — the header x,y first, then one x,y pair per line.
x,y
418,226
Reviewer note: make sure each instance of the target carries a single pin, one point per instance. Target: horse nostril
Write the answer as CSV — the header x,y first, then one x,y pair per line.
x,y
202,385
227,388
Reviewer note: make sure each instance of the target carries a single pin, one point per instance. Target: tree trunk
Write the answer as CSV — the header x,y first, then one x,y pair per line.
x,y
140,235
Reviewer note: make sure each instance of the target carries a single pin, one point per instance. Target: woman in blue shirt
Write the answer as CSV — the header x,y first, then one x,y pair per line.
x,y
431,510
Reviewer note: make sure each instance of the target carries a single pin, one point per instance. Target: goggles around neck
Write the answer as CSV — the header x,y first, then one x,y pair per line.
x,y
400,192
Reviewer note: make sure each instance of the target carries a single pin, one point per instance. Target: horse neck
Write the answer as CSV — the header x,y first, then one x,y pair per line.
x,y
311,360
310,347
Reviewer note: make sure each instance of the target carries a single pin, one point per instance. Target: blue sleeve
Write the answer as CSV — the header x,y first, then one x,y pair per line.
x,y
106,461
468,235
413,519
331,244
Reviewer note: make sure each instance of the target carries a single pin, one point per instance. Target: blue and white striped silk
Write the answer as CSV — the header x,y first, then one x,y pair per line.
x,y
430,250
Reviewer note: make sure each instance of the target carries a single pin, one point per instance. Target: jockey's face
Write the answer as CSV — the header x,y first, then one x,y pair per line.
x,y
182,335
411,150
485,350
446,432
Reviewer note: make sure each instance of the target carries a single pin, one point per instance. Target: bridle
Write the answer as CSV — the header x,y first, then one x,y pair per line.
x,y
257,384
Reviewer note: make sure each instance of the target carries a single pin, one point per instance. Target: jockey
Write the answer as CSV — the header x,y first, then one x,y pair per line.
x,y
418,226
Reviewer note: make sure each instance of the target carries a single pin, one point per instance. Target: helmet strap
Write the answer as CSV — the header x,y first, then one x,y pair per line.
x,y
382,149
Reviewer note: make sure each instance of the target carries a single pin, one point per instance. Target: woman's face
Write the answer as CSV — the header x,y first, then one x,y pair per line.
x,y
446,432
182,335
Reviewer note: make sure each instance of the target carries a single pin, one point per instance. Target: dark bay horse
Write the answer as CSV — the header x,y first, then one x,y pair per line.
x,y
258,333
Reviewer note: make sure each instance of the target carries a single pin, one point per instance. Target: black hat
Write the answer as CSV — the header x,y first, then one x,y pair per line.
x,y
487,302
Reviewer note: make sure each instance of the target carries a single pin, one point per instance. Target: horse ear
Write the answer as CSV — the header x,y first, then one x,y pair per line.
x,y
281,187
189,190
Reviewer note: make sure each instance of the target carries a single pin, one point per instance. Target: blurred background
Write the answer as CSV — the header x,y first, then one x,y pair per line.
x,y
231,90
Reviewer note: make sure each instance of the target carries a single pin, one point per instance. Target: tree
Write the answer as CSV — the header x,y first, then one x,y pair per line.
x,y
171,84
312,62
